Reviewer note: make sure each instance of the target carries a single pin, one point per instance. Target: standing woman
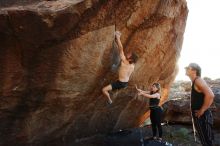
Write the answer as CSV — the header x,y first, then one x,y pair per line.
x,y
155,109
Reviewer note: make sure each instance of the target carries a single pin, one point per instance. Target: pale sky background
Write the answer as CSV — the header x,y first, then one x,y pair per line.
x,y
202,38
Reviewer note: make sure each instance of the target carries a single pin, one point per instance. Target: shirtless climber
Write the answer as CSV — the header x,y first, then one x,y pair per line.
x,y
125,70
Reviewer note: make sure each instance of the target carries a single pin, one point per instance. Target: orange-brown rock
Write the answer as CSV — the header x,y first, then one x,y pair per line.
x,y
56,55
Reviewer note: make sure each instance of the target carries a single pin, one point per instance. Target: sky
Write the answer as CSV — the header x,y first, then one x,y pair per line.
x,y
201,42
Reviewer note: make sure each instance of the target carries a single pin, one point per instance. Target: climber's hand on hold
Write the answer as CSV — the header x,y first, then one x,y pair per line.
x,y
117,34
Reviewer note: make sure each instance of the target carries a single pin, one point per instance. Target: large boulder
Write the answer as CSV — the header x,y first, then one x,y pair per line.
x,y
56,55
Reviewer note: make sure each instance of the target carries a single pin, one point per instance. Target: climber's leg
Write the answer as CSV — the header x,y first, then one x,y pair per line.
x,y
113,86
105,91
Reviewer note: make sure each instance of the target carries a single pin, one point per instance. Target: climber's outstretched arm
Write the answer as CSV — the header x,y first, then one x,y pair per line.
x,y
120,47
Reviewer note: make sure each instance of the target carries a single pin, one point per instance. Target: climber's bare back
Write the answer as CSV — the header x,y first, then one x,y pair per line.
x,y
125,71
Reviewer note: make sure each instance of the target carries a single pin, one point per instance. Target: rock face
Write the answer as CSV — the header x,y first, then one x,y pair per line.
x,y
177,110
56,55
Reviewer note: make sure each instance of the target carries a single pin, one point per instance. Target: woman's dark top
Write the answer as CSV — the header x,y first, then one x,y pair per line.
x,y
154,102
197,98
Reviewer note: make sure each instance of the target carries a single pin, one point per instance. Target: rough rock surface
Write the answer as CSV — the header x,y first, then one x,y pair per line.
x,y
177,109
56,55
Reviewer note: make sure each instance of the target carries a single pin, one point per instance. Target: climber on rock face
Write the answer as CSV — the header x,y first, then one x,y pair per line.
x,y
125,70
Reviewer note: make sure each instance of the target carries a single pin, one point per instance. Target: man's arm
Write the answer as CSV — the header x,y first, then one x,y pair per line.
x,y
120,47
208,96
